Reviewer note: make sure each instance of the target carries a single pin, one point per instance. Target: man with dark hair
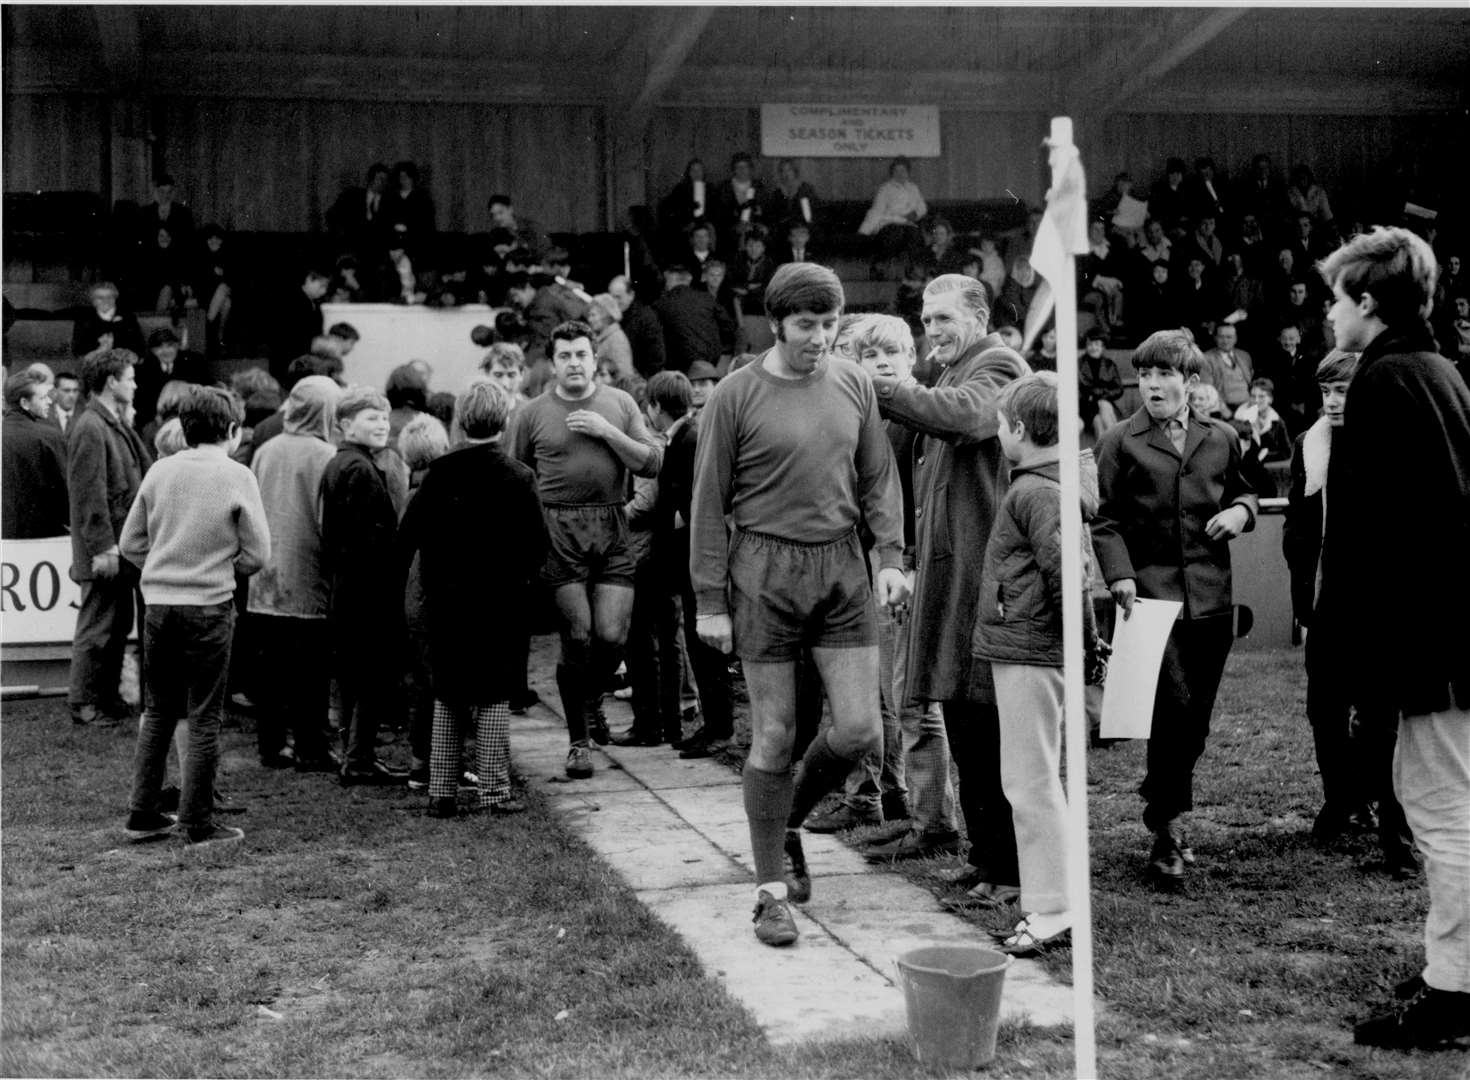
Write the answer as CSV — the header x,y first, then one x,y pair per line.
x,y
165,361
105,463
64,397
34,462
347,335
297,321
1406,646
695,325
527,233
641,324
583,440
358,220
960,476
555,302
778,568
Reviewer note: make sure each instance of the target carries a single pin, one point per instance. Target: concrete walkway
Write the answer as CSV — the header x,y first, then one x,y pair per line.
x,y
675,831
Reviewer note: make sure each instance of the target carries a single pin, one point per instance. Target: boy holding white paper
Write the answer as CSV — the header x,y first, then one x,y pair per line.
x,y
1172,498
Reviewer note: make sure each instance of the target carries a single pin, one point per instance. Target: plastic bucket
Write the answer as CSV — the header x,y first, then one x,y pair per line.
x,y
952,994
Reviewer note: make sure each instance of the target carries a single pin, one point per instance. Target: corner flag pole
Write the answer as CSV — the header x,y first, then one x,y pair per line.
x,y
1061,237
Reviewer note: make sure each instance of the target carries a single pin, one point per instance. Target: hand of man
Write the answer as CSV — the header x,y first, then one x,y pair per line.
x,y
1125,591
716,632
587,422
893,589
1228,523
105,565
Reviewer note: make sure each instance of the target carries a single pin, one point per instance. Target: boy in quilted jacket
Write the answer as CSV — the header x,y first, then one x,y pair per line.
x,y
1019,630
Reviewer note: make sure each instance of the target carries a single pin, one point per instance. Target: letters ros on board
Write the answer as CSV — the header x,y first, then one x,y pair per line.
x,y
38,598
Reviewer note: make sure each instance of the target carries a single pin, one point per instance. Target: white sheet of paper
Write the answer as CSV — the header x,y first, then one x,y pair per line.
x,y
1133,669
1131,213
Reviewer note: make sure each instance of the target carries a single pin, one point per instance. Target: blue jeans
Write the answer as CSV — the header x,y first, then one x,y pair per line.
x,y
188,649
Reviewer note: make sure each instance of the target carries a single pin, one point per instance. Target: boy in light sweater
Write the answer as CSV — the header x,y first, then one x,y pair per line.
x,y
197,521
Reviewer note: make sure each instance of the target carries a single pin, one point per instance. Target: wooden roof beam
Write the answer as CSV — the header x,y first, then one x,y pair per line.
x,y
665,43
1115,77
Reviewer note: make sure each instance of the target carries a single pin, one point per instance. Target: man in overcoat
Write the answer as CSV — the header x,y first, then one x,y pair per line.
x,y
960,474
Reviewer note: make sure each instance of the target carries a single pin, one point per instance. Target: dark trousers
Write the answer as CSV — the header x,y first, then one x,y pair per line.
x,y
189,663
367,685
297,694
1354,747
104,621
1189,679
973,730
654,669
711,668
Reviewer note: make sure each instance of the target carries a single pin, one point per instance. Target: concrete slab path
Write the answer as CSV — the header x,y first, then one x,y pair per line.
x,y
675,831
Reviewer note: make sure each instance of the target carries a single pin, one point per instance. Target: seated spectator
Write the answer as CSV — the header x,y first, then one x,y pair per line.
x,y
1099,386
212,285
893,219
528,234
1204,199
1268,430
792,200
609,343
1204,402
165,276
409,211
1262,195
716,281
686,205
753,271
1293,372
1019,290
1157,247
1306,196
1308,245
1200,304
164,212
942,255
1228,369
105,326
163,362
1044,356
1168,202
1100,275
1293,304
1457,344
33,456
1254,246
992,267
699,250
1204,243
739,202
798,246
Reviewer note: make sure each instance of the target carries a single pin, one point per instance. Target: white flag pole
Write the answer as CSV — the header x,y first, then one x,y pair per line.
x,y
1067,206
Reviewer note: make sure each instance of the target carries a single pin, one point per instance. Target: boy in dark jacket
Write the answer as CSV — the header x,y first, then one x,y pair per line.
x,y
365,614
1173,497
1019,630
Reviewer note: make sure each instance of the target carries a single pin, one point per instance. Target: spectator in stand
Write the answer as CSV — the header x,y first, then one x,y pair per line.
x,y
1168,202
695,326
1100,275
476,507
1199,303
753,270
1204,243
165,274
1244,297
1044,356
1293,370
992,268
686,205
64,397
792,200
1228,369
409,211
297,321
212,283
527,233
1456,345
739,202
288,599
34,462
105,463
798,246
893,219
716,281
610,344
358,222
1020,289
196,526
942,255
641,324
1157,247
1099,386
1203,197
1254,246
1306,196
165,361
1295,305
365,617
1268,430
1205,403
699,250
1262,196
1308,245
106,327
165,213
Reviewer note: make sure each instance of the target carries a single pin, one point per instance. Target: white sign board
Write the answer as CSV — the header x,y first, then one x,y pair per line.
x,y
882,131
38,598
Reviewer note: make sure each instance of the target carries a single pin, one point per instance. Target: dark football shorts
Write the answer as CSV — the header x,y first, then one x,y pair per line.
x,y
589,545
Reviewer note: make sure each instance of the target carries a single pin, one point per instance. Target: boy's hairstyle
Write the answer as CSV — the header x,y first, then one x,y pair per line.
x,y
757,232
207,414
1263,383
162,336
482,409
971,291
407,388
103,286
877,331
1337,366
422,439
261,405
312,364
500,200
344,330
1032,400
169,439
19,386
358,399
104,364
671,391
441,406
1397,267
252,380
505,354
1096,333
171,399
571,330
1173,350
802,287
67,375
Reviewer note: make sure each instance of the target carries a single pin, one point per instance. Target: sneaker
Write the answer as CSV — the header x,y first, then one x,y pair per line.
x,y
142,825
843,818
774,924
579,762
214,834
1429,1020
913,845
798,878
418,778
443,807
